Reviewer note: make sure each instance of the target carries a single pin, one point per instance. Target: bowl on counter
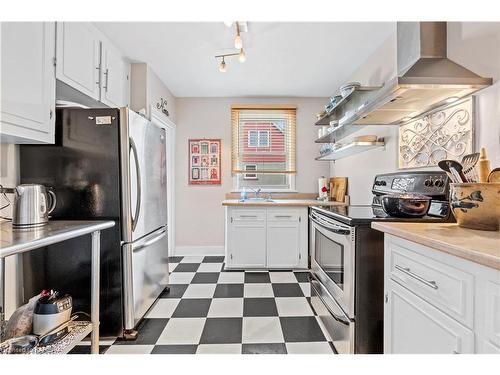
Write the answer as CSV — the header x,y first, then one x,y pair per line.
x,y
476,205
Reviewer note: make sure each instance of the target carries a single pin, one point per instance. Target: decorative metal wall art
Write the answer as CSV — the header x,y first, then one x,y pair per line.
x,y
446,133
162,106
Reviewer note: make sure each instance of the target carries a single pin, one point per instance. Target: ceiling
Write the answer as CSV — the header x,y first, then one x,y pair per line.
x,y
301,59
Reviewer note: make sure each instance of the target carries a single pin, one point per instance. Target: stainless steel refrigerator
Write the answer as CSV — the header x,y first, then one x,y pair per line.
x,y
105,164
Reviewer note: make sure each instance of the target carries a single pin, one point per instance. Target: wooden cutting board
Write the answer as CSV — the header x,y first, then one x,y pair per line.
x,y
338,188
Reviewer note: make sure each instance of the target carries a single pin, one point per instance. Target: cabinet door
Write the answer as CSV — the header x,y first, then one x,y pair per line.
x,y
115,71
246,239
283,239
78,57
413,326
28,82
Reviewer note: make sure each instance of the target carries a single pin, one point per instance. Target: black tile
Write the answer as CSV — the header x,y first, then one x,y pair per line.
x,y
228,291
149,330
85,349
192,308
175,259
259,307
302,277
287,290
213,259
222,331
205,278
174,291
257,277
187,267
301,329
264,349
174,349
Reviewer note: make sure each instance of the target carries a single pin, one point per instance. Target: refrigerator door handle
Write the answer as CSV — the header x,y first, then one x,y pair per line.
x,y
149,241
133,148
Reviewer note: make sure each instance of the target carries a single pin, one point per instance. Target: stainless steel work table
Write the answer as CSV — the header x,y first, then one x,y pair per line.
x,y
16,241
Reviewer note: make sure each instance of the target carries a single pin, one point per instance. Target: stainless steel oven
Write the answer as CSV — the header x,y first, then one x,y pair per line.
x,y
333,249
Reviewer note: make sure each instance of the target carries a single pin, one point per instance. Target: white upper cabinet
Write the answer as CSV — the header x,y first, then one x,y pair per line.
x,y
28,83
78,57
88,62
115,73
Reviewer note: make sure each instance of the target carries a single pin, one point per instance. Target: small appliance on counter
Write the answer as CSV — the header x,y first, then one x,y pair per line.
x,y
32,205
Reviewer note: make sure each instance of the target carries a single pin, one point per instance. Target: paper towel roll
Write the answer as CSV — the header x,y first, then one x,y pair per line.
x,y
322,183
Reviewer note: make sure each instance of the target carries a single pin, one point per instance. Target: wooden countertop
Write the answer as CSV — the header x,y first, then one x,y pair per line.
x,y
281,203
478,246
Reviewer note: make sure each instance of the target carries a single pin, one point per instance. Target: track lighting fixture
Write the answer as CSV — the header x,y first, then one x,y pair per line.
x,y
222,66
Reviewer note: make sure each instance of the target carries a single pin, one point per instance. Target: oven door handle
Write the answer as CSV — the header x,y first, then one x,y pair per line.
x,y
335,316
334,228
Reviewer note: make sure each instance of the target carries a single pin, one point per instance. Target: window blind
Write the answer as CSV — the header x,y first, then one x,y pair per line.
x,y
265,137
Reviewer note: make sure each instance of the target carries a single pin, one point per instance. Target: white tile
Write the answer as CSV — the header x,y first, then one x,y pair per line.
x,y
181,277
231,278
293,306
171,267
180,331
226,307
210,267
308,348
219,349
199,291
192,259
282,277
255,290
130,349
306,289
262,330
163,308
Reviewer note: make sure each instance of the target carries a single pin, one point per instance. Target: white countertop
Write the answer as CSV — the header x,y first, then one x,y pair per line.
x,y
478,246
281,202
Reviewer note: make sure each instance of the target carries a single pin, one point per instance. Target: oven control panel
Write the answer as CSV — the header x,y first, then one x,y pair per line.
x,y
427,183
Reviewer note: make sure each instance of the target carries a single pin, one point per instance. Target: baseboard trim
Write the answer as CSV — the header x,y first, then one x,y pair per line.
x,y
198,250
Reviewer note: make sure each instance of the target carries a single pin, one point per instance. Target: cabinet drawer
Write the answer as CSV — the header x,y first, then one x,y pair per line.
x,y
447,288
288,215
248,215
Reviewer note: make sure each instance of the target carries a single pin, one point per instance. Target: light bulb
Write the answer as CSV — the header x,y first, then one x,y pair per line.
x,y
238,43
222,66
242,57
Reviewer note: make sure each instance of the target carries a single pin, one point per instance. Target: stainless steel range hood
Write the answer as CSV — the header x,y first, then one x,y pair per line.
x,y
426,79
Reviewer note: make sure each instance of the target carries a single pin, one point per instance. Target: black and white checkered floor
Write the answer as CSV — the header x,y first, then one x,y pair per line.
x,y
210,310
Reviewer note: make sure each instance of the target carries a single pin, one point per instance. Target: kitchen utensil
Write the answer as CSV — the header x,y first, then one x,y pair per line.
x,y
476,205
405,205
30,205
338,188
483,166
51,311
494,175
349,87
454,170
469,166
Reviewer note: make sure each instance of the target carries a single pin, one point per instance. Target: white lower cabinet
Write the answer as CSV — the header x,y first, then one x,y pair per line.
x,y
416,327
436,303
28,82
266,238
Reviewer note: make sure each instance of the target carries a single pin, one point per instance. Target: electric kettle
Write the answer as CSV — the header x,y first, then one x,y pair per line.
x,y
31,206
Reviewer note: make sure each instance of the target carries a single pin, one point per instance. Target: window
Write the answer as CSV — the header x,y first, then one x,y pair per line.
x,y
258,138
263,140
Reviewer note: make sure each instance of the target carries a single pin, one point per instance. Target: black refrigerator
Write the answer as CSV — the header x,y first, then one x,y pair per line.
x,y
105,164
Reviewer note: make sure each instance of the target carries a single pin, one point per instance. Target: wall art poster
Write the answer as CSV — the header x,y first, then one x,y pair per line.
x,y
204,161
446,133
